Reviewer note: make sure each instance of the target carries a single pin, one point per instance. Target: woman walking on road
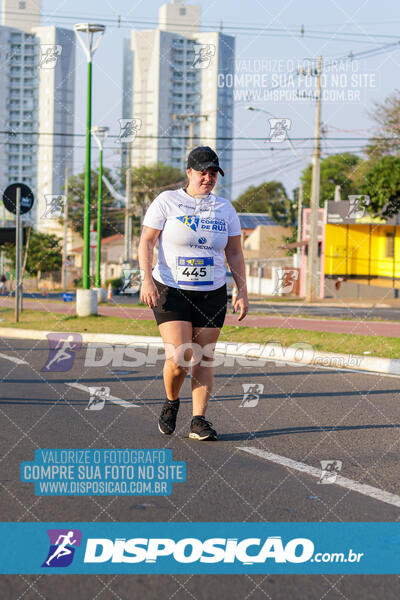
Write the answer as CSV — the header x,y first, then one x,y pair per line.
x,y
195,230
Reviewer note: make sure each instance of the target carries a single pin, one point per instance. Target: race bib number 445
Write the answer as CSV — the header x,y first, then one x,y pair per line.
x,y
195,271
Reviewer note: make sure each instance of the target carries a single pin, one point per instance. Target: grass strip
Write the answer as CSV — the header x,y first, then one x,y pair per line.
x,y
386,347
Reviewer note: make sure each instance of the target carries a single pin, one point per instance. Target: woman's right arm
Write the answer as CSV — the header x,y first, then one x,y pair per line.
x,y
148,291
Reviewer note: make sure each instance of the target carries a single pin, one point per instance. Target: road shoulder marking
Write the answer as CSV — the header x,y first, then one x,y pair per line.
x,y
14,359
361,488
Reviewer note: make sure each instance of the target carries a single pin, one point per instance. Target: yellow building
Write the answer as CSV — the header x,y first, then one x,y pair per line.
x,y
359,246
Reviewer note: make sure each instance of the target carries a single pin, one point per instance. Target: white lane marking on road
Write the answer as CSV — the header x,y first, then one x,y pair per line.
x,y
14,359
114,399
361,488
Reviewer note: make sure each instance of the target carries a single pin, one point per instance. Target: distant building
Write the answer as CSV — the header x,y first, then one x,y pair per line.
x,y
262,237
112,253
171,77
361,247
36,107
249,222
359,253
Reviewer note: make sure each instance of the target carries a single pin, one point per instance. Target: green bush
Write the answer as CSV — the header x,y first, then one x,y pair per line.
x,y
79,282
115,283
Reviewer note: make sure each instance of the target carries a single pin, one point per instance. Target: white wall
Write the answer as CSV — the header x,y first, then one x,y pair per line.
x,y
256,285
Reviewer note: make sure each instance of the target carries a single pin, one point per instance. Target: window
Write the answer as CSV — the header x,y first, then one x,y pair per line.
x,y
22,5
389,245
182,11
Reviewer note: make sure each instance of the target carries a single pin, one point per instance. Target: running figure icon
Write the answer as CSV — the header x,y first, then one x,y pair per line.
x,y
62,550
62,350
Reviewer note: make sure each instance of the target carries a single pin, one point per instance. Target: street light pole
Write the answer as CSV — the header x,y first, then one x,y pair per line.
x,y
65,252
100,134
128,187
86,203
127,215
90,29
99,216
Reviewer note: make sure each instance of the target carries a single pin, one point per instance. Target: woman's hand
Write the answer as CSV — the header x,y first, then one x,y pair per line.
x,y
242,305
149,293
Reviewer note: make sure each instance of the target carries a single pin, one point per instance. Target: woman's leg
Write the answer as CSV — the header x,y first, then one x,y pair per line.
x,y
203,375
175,334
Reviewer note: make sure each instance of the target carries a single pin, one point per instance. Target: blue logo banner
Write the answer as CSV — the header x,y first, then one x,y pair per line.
x,y
200,548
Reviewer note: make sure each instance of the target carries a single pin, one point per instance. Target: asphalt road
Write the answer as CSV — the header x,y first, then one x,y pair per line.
x,y
344,311
304,414
339,312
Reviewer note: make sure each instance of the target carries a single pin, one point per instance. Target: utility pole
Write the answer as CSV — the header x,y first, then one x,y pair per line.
x,y
127,228
65,268
299,221
191,136
313,267
191,118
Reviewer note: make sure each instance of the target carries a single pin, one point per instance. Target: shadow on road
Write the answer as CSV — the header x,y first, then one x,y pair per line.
x,y
253,435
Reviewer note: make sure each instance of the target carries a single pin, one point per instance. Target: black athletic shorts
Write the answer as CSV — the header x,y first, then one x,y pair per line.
x,y
202,309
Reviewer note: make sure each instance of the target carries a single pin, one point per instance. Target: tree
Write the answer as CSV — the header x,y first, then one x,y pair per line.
x,y
112,213
337,169
44,253
148,181
386,116
359,174
270,198
382,184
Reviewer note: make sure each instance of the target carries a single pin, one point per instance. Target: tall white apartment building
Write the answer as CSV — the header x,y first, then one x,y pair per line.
x,y
171,85
36,107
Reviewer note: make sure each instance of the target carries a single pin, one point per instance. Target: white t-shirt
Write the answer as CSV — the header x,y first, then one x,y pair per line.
x,y
194,233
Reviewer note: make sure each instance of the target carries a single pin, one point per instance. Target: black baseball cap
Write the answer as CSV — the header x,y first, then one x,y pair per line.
x,y
202,158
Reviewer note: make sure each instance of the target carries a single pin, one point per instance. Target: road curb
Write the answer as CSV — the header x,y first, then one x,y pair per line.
x,y
325,304
300,353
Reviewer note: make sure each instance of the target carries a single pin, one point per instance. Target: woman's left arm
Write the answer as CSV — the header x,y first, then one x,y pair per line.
x,y
234,256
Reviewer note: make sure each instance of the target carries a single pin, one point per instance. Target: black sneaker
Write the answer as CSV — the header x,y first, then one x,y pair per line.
x,y
201,430
167,420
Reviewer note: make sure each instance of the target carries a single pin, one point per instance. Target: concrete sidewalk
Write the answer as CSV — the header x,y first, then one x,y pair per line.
x,y
360,327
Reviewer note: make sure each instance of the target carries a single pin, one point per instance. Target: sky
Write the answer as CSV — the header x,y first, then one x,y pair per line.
x,y
269,52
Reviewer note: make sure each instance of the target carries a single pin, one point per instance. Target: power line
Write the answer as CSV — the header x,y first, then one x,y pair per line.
x,y
183,137
274,169
122,23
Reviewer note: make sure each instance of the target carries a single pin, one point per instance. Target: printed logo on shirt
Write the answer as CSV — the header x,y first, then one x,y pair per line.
x,y
190,221
213,225
202,241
